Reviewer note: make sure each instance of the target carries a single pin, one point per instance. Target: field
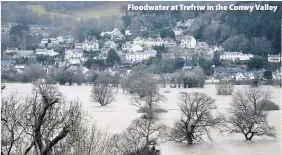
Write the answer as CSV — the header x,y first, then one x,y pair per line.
x,y
111,9
118,115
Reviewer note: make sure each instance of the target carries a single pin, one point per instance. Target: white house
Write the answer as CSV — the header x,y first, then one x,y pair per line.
x,y
240,76
188,42
110,44
150,42
46,52
235,56
139,56
274,58
11,50
129,47
115,34
127,33
91,46
70,54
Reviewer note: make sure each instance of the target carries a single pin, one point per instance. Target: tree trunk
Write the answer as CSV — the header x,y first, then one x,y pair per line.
x,y
189,138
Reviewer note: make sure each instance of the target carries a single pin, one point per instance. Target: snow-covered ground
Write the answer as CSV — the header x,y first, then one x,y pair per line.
x,y
118,115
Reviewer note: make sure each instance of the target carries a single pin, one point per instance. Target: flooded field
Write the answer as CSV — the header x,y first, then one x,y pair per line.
x,y
118,115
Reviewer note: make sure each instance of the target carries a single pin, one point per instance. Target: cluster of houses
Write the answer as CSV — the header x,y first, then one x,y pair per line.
x,y
238,74
135,50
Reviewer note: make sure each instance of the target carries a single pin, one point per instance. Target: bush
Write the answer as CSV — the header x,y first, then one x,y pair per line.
x,y
268,106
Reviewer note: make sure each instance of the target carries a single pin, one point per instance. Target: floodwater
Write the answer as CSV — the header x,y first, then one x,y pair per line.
x,y
117,116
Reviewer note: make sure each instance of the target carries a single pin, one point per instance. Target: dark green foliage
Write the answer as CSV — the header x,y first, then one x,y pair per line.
x,y
194,79
267,75
112,58
255,82
206,65
257,24
167,33
126,20
256,63
93,33
198,34
90,62
160,50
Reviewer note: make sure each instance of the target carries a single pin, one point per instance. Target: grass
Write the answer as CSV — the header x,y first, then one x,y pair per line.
x,y
108,9
37,8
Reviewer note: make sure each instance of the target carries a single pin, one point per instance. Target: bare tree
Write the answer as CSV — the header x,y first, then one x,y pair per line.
x,y
247,117
141,83
11,130
196,109
224,88
150,103
139,137
103,94
86,140
40,122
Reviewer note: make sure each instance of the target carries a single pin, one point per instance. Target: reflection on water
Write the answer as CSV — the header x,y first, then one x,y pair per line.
x,y
118,115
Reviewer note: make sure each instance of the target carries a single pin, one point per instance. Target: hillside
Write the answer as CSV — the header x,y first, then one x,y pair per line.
x,y
47,12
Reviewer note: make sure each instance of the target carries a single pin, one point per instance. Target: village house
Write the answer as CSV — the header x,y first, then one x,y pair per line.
x,y
129,47
78,45
235,56
73,57
91,45
110,44
188,42
139,56
20,68
150,42
46,52
177,55
273,58
24,54
115,34
127,33
217,48
11,50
